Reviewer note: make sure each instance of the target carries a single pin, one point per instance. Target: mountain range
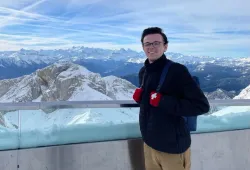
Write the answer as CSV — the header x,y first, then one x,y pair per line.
x,y
64,81
230,75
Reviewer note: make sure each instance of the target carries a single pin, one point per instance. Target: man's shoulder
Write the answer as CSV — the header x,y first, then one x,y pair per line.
x,y
178,67
181,71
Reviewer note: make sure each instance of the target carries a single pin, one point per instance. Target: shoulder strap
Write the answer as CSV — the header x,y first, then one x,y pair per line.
x,y
164,74
143,78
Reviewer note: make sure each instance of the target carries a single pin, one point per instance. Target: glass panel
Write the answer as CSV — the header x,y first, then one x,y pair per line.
x,y
9,130
64,126
223,118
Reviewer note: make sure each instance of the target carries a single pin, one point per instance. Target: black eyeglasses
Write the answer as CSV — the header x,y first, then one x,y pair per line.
x,y
155,44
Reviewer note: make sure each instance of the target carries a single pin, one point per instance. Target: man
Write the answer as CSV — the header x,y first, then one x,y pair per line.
x,y
166,137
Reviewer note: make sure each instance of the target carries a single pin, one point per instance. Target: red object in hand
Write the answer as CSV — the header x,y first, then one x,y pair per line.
x,y
137,94
155,98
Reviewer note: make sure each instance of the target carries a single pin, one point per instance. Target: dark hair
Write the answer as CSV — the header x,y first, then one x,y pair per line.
x,y
154,30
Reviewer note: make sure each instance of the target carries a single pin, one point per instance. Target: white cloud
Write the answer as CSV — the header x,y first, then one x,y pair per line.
x,y
202,15
190,25
8,45
14,16
16,4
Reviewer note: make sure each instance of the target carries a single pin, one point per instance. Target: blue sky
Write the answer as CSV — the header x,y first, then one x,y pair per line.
x,y
197,27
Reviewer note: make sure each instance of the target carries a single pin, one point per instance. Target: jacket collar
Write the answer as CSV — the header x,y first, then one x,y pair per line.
x,y
156,65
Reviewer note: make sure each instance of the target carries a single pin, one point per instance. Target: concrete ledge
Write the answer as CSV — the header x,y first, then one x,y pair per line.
x,y
228,150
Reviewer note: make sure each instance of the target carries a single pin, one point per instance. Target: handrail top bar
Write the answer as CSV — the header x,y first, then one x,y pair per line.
x,y
101,104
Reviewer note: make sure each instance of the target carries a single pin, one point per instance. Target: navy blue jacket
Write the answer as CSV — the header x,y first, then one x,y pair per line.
x,y
163,127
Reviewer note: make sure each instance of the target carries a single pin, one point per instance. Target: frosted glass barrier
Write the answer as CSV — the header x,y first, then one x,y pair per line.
x,y
223,118
9,130
78,125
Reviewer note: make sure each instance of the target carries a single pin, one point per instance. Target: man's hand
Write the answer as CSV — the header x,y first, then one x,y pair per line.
x,y
137,95
155,98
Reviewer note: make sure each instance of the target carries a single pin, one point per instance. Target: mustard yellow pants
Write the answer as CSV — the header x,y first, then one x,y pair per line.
x,y
155,160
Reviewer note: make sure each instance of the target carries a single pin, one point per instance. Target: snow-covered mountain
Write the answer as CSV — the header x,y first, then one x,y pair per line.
x,y
126,55
244,94
220,94
64,81
71,54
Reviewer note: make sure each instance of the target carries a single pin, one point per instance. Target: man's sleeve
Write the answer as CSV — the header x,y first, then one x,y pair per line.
x,y
193,102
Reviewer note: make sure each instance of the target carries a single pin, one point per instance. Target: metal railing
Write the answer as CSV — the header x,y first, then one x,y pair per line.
x,y
101,104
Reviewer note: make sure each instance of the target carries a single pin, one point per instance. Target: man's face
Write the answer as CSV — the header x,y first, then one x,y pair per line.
x,y
153,46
